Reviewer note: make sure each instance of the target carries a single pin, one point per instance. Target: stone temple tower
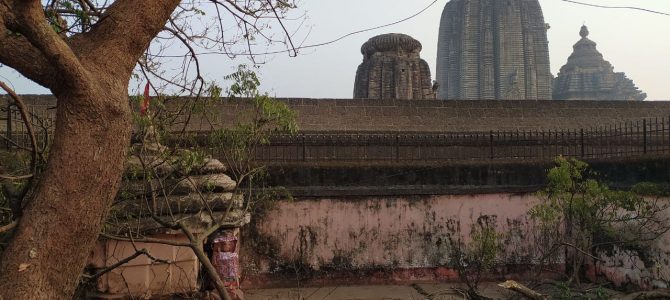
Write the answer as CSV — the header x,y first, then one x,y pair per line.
x,y
393,69
588,76
493,49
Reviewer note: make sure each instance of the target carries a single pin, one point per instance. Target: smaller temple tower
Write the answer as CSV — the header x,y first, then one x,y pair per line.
x,y
393,69
588,76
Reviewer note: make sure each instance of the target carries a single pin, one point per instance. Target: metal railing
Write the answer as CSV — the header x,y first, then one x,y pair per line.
x,y
629,139
13,129
648,136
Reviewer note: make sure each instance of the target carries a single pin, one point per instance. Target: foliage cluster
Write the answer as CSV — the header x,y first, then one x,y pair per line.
x,y
578,219
585,215
478,256
263,117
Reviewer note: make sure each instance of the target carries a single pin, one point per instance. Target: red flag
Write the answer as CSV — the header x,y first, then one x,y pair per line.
x,y
147,99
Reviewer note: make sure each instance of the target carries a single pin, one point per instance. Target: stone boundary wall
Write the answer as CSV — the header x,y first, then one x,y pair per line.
x,y
404,239
463,116
447,116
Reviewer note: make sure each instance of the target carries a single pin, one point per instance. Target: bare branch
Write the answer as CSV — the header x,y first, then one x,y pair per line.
x,y
117,264
13,143
288,35
145,240
8,227
13,178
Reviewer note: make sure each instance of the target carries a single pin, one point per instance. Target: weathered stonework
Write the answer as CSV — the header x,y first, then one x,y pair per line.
x,y
493,49
197,195
393,69
587,76
364,115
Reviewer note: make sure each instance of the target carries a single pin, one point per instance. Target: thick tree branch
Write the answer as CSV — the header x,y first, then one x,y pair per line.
x,y
123,34
31,23
196,246
17,53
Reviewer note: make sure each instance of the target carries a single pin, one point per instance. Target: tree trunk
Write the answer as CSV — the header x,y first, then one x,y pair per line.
x,y
63,216
89,74
211,271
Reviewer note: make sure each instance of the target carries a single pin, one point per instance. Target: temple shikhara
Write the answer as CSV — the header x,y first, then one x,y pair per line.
x,y
493,49
588,76
393,69
488,50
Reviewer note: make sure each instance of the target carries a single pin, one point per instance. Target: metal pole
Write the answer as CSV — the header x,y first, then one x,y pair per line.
x,y
397,147
644,136
581,138
9,125
491,143
304,147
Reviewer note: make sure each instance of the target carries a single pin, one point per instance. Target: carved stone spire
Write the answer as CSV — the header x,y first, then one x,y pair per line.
x,y
484,44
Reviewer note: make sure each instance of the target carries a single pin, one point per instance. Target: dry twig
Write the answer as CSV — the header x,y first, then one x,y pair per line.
x,y
523,290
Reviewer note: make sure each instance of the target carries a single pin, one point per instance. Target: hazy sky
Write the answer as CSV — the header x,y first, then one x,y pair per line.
x,y
634,42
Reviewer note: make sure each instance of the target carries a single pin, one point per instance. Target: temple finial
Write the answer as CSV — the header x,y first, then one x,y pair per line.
x,y
584,32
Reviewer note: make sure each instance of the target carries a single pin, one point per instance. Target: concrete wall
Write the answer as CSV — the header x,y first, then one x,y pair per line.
x,y
404,239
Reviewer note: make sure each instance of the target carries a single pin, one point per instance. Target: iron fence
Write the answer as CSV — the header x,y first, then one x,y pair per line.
x,y
14,131
628,139
644,137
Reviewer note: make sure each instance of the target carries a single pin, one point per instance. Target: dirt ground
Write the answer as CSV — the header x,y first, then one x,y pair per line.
x,y
446,291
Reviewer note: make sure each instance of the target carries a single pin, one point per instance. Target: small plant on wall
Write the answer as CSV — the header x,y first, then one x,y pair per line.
x,y
477,256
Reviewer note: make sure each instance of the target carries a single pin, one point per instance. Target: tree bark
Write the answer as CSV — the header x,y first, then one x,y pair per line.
x,y
61,221
89,74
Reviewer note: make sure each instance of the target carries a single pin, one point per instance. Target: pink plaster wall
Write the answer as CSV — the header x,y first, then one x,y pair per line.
x,y
405,236
405,233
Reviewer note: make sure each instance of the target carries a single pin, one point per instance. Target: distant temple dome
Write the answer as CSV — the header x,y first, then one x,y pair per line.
x,y
393,69
391,42
588,76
